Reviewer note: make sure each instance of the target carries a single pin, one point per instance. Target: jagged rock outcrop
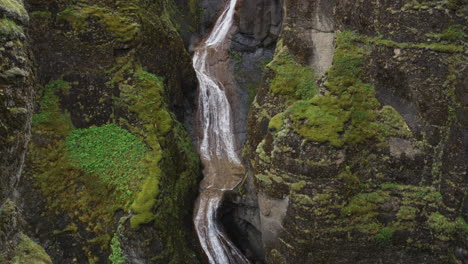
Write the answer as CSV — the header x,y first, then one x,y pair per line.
x,y
17,89
357,134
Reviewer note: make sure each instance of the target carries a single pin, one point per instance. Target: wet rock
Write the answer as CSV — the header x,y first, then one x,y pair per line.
x,y
399,147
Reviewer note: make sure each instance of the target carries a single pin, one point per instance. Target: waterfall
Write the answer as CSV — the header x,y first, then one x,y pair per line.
x,y
223,169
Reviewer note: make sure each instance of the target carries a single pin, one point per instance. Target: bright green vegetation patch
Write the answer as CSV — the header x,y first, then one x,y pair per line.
x,y
146,100
117,256
122,27
291,78
365,204
447,228
172,163
28,251
322,122
9,29
111,153
362,211
349,112
144,202
86,174
276,122
13,6
411,201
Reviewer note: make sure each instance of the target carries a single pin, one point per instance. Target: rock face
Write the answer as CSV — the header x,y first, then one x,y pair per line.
x,y
17,88
109,158
351,117
252,46
357,135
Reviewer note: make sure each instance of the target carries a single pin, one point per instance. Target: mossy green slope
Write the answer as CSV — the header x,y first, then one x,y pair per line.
x,y
348,113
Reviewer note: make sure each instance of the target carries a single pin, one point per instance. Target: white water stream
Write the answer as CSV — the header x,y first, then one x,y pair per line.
x,y
223,169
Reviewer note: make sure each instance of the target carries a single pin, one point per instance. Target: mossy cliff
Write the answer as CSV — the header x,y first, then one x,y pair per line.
x,y
361,156
114,86
16,247
17,87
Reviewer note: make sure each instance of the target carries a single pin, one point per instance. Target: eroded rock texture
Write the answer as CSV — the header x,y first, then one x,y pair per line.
x,y
109,157
362,159
17,89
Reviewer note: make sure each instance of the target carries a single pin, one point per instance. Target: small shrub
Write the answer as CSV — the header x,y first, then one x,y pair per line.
x,y
117,256
385,235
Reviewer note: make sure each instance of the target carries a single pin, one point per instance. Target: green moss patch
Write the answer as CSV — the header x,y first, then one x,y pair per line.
x,y
117,256
111,153
144,203
445,45
121,25
446,228
320,122
276,122
365,204
291,78
51,118
88,173
145,99
15,8
385,235
349,112
28,251
9,29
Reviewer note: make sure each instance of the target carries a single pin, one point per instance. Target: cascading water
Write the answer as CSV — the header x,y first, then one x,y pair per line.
x,y
223,169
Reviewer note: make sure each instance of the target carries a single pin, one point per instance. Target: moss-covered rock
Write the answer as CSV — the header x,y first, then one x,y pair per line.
x,y
107,138
28,251
364,162
17,88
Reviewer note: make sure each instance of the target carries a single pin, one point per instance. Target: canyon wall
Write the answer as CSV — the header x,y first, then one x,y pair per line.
x,y
18,86
351,117
110,173
357,135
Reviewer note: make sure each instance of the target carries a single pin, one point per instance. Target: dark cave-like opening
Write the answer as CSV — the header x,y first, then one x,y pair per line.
x,y
233,217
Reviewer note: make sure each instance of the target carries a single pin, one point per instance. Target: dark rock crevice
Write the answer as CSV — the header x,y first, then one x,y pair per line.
x,y
252,47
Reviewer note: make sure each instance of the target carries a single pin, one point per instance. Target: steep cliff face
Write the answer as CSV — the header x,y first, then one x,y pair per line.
x,y
17,87
357,134
110,168
353,113
252,46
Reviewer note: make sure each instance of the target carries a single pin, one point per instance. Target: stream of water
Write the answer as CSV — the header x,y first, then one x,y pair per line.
x,y
222,166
